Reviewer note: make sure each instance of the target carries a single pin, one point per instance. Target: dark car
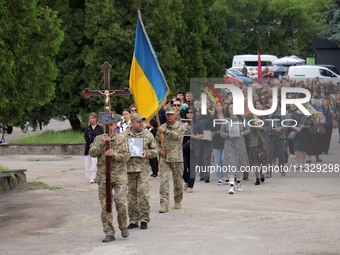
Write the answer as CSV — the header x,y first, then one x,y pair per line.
x,y
279,71
238,75
331,67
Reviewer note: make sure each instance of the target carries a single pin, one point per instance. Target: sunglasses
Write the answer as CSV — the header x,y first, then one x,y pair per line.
x,y
177,105
133,110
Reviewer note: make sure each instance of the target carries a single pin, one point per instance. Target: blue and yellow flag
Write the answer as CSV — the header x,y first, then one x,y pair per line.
x,y
147,82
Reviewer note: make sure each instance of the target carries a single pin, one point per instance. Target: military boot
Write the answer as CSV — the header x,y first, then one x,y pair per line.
x,y
125,232
164,209
108,238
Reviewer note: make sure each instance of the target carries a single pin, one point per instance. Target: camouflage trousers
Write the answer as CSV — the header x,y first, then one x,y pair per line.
x,y
139,197
119,198
177,175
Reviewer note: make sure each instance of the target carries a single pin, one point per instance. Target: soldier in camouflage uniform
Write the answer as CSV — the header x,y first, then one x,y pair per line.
x,y
119,154
138,174
171,159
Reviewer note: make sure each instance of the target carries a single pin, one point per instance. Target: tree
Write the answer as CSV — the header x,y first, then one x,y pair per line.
x,y
109,30
278,27
192,38
30,37
68,103
332,15
166,30
112,26
214,56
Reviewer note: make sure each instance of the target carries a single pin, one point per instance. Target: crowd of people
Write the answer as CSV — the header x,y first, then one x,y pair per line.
x,y
188,143
261,143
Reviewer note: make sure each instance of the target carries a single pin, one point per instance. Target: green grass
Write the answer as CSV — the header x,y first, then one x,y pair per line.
x,y
37,185
6,168
65,136
2,169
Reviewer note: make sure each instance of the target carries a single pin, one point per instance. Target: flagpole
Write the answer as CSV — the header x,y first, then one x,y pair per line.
x,y
160,135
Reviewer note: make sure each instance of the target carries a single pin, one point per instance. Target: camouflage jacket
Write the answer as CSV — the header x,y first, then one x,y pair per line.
x,y
149,146
173,139
118,161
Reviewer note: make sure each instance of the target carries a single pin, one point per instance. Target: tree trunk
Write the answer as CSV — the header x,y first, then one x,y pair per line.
x,y
75,122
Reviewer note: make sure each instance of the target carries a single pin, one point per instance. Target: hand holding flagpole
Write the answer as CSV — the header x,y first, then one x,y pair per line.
x,y
147,81
160,134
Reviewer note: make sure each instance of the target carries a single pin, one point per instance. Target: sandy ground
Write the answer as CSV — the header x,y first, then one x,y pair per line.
x,y
295,214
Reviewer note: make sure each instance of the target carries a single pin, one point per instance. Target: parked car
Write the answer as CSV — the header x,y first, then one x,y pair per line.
x,y
235,71
251,60
332,68
252,72
279,71
305,72
246,80
229,80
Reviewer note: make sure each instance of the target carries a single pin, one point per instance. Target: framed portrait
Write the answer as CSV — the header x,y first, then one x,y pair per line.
x,y
188,126
207,135
136,146
234,130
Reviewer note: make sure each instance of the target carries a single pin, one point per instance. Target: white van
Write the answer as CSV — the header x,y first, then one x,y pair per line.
x,y
299,73
252,60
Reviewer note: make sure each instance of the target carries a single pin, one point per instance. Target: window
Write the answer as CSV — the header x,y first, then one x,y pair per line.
x,y
326,73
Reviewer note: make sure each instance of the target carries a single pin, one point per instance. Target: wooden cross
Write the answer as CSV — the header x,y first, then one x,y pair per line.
x,y
107,93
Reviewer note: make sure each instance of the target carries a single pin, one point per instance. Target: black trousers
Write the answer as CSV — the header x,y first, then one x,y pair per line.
x,y
326,138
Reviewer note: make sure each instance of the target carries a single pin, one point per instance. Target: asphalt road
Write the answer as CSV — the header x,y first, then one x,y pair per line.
x,y
295,214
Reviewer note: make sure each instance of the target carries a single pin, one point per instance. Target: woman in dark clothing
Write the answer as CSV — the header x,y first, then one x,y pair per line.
x,y
302,139
191,149
91,131
218,144
257,153
337,108
206,149
292,108
329,113
316,137
152,127
187,175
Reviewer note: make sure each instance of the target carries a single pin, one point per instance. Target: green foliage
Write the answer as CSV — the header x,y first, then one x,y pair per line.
x,y
192,38
214,55
12,175
2,169
332,15
30,37
68,136
278,27
109,29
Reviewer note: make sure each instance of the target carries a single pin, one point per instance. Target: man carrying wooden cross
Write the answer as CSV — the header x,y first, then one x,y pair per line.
x,y
119,154
112,153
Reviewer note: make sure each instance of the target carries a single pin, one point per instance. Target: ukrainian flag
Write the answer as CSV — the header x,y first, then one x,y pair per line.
x,y
147,82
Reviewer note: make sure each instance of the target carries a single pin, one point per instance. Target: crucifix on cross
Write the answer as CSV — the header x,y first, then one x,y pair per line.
x,y
107,93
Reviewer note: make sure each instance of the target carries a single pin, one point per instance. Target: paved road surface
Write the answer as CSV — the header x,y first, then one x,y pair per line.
x,y
296,214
